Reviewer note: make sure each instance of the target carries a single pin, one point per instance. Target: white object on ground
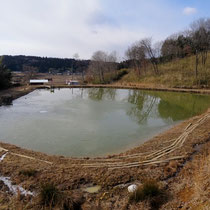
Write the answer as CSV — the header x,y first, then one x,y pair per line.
x,y
3,156
132,188
13,188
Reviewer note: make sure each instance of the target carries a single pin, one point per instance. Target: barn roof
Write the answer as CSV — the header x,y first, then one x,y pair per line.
x,y
38,81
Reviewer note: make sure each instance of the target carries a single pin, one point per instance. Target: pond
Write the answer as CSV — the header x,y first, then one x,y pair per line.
x,y
93,121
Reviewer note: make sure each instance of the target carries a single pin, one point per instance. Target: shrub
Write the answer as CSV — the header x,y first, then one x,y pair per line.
x,y
150,189
49,195
120,74
28,172
69,204
149,192
5,77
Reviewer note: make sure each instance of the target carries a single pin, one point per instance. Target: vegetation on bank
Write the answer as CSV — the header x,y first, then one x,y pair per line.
x,y
108,77
5,77
51,197
175,73
149,192
182,60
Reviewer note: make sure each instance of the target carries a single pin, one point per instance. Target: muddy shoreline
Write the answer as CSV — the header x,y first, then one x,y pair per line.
x,y
17,92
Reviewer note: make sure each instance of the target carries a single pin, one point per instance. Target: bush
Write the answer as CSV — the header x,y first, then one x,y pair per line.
x,y
120,74
5,77
28,172
150,189
49,195
150,192
147,190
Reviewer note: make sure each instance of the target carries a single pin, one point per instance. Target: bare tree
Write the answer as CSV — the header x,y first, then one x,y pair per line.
x,y
157,48
112,62
101,63
136,53
200,35
30,72
97,65
150,53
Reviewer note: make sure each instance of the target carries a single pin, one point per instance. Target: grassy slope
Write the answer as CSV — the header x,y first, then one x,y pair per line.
x,y
177,73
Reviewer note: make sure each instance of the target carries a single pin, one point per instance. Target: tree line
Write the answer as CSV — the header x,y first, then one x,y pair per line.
x,y
44,64
144,55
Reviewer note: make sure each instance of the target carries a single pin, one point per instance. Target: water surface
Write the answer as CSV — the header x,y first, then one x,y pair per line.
x,y
93,122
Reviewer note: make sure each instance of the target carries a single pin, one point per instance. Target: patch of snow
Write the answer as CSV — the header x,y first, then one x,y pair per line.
x,y
13,188
3,156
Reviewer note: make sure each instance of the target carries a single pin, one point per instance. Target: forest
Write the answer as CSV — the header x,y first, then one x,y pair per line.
x,y
43,64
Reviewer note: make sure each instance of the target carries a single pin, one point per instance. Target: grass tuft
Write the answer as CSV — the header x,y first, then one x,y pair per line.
x,y
28,172
150,192
49,195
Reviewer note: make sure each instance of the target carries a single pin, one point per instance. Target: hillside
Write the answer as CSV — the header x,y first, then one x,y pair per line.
x,y
176,73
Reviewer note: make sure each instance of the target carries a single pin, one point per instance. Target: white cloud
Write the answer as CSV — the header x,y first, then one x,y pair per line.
x,y
65,27
49,28
189,11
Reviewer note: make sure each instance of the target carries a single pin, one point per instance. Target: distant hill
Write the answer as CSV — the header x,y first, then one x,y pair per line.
x,y
44,64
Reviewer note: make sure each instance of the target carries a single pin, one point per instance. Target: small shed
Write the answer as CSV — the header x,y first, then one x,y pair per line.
x,y
73,82
38,81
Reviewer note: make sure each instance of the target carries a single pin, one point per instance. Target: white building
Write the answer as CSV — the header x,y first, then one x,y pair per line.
x,y
72,82
38,81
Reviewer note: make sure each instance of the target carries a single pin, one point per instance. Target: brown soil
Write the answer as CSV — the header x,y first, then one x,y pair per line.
x,y
171,158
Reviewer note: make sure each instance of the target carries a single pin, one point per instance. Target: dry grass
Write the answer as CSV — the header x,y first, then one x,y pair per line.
x,y
51,197
28,172
150,193
192,186
177,73
201,178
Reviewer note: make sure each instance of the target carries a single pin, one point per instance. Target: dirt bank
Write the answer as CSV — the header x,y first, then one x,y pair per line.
x,y
166,158
15,92
23,90
136,87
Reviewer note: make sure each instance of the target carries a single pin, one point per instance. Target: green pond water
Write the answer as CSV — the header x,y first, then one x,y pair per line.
x,y
93,122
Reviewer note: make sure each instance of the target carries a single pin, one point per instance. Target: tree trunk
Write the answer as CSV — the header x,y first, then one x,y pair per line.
x,y
196,65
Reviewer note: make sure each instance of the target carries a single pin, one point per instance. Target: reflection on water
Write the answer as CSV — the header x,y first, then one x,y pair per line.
x,y
99,94
143,105
96,121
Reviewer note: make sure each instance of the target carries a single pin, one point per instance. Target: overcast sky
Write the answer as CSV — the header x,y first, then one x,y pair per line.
x,y
61,28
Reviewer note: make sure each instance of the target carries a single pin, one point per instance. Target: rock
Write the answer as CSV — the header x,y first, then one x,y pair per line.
x,y
132,188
